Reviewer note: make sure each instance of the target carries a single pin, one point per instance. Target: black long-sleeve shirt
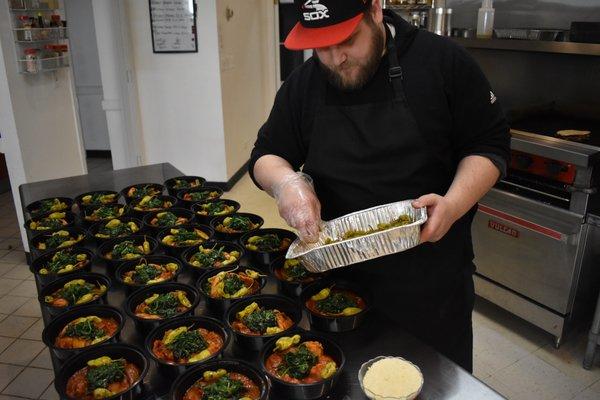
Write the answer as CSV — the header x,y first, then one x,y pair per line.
x,y
446,90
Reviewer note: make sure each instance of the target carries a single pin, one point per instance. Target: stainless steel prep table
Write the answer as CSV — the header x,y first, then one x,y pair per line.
x,y
377,336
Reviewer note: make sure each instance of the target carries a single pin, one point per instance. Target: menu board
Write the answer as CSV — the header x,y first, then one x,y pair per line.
x,y
173,24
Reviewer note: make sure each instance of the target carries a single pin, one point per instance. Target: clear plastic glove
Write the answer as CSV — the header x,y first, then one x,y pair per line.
x,y
298,205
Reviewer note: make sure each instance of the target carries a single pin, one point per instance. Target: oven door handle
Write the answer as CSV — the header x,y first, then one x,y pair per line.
x,y
573,189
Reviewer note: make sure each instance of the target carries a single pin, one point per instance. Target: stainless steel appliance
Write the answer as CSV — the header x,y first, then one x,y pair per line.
x,y
534,249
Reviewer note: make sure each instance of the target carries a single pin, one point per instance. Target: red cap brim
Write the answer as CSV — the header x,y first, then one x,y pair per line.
x,y
301,38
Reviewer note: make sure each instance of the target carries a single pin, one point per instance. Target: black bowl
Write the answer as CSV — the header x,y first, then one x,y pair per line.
x,y
219,306
106,247
285,390
264,258
69,217
40,262
146,325
336,324
256,343
185,381
176,251
89,277
205,219
129,265
292,288
173,369
179,212
234,237
170,183
58,323
113,350
33,209
198,271
81,205
94,229
141,213
160,188
40,237
188,203
88,210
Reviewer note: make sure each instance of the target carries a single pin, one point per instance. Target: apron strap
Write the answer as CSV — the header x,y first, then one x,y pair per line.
x,y
395,73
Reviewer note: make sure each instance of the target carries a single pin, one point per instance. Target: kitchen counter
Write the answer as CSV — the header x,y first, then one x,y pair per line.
x,y
377,336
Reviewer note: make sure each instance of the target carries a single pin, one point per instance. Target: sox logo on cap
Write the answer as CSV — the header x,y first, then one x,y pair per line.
x,y
319,11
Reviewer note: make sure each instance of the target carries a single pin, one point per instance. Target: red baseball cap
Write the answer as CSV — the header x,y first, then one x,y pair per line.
x,y
324,23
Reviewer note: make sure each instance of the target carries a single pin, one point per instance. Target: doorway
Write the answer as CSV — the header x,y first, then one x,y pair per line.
x,y
88,85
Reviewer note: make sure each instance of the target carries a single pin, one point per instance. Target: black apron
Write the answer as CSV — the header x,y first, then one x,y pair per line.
x,y
428,289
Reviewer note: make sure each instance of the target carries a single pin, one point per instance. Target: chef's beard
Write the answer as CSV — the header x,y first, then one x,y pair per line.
x,y
366,70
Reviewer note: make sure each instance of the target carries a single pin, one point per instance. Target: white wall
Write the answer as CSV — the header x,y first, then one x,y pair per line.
x,y
38,119
86,71
180,96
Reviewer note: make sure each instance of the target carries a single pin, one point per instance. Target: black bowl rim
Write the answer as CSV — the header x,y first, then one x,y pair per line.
x,y
355,287
232,202
84,354
216,364
162,233
84,209
150,214
61,281
50,253
168,183
177,285
68,214
123,192
112,242
173,199
77,199
68,200
274,265
67,316
311,336
69,229
219,218
95,227
208,274
124,265
181,192
186,320
187,252
261,231
257,298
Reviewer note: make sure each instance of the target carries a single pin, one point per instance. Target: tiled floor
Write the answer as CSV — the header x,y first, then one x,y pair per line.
x,y
513,357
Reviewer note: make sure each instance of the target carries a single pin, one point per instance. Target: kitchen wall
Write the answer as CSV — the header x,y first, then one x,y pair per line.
x,y
45,115
248,76
180,102
38,120
527,13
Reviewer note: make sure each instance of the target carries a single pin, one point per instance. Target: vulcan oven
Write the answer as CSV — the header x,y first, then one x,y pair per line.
x,y
534,249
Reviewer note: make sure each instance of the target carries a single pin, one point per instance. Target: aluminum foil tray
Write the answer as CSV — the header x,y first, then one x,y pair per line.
x,y
320,257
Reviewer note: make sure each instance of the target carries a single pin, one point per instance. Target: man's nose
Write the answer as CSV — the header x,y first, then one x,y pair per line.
x,y
337,55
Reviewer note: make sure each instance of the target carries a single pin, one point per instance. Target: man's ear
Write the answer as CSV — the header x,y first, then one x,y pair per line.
x,y
376,11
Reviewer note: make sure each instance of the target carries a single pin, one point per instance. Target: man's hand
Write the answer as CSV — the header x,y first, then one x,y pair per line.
x,y
442,215
298,205
474,178
296,198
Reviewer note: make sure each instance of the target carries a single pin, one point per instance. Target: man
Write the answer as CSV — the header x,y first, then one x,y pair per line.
x,y
383,112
